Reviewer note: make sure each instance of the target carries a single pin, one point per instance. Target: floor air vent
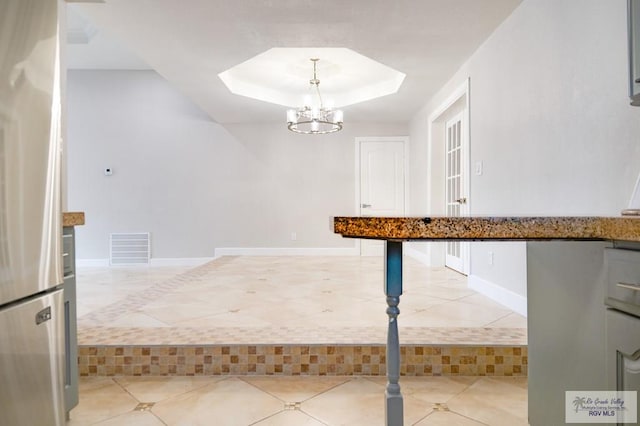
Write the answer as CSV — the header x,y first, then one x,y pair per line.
x,y
130,249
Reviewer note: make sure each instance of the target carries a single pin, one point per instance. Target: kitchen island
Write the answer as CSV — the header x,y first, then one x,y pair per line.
x,y
565,294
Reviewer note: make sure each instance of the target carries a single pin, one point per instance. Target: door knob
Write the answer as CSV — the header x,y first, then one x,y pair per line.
x,y
462,200
364,206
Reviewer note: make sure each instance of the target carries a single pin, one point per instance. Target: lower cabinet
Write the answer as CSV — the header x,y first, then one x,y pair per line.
x,y
70,320
566,325
583,300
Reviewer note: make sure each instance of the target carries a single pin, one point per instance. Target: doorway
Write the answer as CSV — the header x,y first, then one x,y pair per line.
x,y
449,190
381,182
455,191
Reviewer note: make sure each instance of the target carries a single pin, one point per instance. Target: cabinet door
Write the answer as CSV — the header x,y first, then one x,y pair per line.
x,y
623,355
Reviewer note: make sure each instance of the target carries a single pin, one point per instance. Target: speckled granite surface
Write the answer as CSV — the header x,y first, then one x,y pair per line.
x,y
489,228
72,218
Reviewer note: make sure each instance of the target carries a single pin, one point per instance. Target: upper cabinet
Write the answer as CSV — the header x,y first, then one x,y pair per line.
x,y
633,7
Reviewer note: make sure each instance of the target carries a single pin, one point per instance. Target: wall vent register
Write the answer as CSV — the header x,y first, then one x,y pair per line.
x,y
130,248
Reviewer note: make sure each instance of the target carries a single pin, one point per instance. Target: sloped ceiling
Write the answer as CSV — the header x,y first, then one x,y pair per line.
x,y
190,42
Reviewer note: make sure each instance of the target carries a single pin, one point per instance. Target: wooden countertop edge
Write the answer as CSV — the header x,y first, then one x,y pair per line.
x,y
72,218
489,228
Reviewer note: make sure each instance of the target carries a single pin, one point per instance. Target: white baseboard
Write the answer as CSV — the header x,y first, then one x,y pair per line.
x,y
92,263
418,255
285,251
499,294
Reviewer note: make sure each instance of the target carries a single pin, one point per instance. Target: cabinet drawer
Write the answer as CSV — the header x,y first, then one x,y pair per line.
x,y
623,280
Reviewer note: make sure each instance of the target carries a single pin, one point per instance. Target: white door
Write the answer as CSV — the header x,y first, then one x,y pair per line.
x,y
455,191
382,182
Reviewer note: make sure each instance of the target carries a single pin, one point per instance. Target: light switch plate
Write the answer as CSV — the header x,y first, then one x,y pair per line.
x,y
478,168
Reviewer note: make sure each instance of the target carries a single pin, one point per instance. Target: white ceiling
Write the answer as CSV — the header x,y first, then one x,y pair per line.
x,y
190,42
283,75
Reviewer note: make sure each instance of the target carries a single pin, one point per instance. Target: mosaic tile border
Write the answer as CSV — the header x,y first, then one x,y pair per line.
x,y
286,360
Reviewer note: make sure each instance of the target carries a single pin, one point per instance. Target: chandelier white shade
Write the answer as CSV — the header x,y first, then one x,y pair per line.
x,y
314,116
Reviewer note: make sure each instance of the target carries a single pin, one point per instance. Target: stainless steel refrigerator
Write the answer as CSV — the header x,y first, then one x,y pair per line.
x,y
31,303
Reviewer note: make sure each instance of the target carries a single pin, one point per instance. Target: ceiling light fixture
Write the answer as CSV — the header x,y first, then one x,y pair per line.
x,y
314,118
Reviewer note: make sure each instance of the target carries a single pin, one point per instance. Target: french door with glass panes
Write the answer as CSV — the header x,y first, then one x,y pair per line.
x,y
456,192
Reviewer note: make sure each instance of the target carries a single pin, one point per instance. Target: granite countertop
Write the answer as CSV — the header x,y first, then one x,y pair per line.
x,y
72,218
489,228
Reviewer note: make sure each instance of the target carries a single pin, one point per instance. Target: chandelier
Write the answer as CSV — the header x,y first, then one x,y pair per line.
x,y
314,117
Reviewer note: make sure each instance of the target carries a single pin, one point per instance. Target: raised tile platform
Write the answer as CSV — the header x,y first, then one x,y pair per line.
x,y
213,346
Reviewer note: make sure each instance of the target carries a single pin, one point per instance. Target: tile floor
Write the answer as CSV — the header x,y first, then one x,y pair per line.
x,y
284,401
289,300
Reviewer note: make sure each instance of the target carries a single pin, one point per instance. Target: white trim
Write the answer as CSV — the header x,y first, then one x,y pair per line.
x,y
459,92
499,294
287,251
180,261
417,255
435,116
92,263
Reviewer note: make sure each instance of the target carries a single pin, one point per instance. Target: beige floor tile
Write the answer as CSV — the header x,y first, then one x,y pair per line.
x,y
455,314
279,292
492,401
239,318
447,418
139,319
227,402
445,292
331,401
431,389
180,310
520,382
100,399
133,418
511,320
156,389
287,313
359,402
418,302
357,315
294,389
428,319
289,418
481,300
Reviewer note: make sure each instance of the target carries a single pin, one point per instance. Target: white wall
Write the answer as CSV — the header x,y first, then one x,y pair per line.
x,y
194,184
550,120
